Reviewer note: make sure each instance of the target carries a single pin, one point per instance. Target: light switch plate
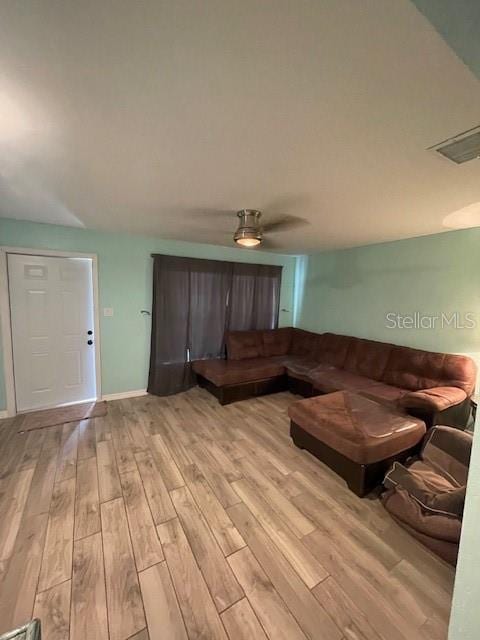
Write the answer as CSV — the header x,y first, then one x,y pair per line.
x,y
108,312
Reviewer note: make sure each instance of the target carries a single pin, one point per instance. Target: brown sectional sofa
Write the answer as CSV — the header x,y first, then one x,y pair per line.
x,y
435,387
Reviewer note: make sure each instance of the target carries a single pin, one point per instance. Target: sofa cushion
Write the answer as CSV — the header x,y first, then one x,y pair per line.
x,y
223,372
367,357
332,349
361,429
276,342
243,345
385,393
304,343
300,368
414,369
327,379
434,399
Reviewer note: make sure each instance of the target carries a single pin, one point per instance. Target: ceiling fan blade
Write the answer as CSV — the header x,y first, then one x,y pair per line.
x,y
284,223
196,213
214,213
289,202
268,244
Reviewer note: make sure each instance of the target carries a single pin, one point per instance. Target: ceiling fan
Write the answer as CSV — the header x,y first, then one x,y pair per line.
x,y
250,231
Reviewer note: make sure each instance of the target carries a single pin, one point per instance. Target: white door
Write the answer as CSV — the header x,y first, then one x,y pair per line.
x,y
52,318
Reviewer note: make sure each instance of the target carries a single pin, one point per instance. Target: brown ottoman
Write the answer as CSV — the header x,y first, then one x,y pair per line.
x,y
355,436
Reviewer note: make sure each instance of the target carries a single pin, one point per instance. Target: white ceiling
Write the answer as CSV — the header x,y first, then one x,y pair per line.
x,y
141,116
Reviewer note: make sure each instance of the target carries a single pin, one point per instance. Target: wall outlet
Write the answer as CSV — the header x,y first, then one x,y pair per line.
x,y
108,312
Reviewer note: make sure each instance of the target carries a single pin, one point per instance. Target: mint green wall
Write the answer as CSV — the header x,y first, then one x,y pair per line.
x,y
351,291
465,617
125,283
458,22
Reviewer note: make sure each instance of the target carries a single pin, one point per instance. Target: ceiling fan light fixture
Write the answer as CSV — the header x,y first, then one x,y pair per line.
x,y
247,240
249,233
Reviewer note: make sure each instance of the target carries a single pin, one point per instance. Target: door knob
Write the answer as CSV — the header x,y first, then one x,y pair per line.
x,y
89,332
89,341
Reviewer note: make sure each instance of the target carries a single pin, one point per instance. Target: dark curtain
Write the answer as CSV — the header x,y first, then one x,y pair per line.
x,y
209,289
254,297
194,302
169,367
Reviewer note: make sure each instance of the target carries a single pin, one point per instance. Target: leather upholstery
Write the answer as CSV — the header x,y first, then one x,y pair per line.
x,y
304,343
368,358
332,379
414,369
384,393
436,399
276,342
223,372
301,368
361,429
333,349
242,345
334,362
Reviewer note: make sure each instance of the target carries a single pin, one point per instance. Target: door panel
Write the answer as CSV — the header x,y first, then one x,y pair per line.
x,y
37,303
41,374
71,313
72,366
51,301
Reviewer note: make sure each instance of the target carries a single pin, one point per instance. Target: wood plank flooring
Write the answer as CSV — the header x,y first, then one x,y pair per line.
x,y
177,518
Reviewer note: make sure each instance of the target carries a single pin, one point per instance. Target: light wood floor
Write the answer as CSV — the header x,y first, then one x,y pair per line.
x,y
175,518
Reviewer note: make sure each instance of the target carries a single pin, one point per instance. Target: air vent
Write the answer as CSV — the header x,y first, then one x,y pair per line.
x,y
461,148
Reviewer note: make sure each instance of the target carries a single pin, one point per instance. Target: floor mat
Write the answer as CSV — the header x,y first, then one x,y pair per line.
x,y
60,415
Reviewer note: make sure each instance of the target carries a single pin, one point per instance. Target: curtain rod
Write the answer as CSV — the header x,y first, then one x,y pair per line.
x,y
168,255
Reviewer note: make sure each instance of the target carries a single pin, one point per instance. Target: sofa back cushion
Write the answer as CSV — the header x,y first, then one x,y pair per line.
x,y
333,349
244,344
367,358
304,343
415,369
276,342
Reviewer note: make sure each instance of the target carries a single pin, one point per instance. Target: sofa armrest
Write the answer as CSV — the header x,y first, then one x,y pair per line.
x,y
435,399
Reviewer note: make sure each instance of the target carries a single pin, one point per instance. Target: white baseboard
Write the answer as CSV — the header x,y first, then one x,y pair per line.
x,y
3,414
124,394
